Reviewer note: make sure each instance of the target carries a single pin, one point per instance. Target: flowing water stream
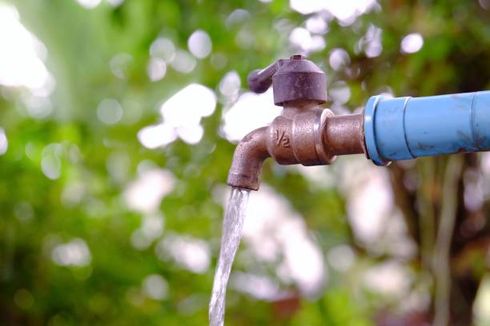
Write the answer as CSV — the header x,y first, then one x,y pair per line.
x,y
230,239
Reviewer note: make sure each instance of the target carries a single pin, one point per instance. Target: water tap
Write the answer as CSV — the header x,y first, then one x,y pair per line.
x,y
388,128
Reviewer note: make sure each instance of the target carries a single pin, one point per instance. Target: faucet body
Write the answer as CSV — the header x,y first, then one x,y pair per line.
x,y
388,129
303,134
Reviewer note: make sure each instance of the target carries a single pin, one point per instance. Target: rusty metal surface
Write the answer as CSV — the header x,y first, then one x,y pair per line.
x,y
296,137
248,158
344,134
299,79
261,79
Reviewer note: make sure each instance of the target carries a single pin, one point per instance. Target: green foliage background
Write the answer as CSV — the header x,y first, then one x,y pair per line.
x,y
81,44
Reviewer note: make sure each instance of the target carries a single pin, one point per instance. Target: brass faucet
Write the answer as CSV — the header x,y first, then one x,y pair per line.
x,y
305,133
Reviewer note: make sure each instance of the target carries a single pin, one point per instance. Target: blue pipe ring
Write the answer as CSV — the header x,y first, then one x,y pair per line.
x,y
370,132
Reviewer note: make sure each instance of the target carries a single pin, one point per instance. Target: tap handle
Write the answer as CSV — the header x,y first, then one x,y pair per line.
x,y
260,80
292,79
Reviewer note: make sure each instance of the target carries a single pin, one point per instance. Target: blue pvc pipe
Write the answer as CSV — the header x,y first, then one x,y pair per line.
x,y
405,128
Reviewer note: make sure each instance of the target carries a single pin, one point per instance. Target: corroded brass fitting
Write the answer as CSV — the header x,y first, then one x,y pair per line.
x,y
304,133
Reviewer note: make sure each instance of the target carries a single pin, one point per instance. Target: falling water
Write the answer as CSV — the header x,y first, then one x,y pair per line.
x,y
230,239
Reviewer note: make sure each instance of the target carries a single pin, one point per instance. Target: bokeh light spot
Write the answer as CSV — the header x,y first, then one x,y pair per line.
x,y
412,43
199,44
73,253
109,111
4,144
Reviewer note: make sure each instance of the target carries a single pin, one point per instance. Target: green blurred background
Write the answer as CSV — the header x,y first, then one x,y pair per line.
x,y
118,121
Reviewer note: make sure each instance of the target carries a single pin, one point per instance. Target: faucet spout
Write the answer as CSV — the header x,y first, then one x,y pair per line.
x,y
248,158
